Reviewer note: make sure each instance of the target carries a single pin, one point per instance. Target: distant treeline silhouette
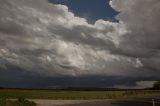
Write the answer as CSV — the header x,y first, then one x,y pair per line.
x,y
156,86
81,89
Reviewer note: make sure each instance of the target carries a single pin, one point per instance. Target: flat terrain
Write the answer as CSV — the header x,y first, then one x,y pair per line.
x,y
43,102
85,98
119,103
75,95
127,102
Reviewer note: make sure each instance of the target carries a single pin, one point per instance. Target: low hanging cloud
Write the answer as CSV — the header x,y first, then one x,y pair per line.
x,y
47,39
138,85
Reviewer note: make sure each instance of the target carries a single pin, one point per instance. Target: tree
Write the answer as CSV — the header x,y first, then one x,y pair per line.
x,y
156,85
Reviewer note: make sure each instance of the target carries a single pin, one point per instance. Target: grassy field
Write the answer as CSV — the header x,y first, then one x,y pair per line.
x,y
18,102
48,94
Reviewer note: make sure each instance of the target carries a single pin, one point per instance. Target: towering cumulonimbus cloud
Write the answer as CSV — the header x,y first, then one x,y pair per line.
x,y
141,18
40,37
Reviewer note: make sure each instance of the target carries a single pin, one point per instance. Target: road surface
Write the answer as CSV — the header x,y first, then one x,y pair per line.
x,y
133,102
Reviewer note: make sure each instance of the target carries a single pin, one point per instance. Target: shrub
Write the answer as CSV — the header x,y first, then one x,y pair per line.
x,y
156,85
20,102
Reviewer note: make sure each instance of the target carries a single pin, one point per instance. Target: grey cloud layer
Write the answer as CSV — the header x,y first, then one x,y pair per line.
x,y
44,38
141,18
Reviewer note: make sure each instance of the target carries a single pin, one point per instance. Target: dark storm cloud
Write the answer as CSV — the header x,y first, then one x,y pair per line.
x,y
47,40
34,80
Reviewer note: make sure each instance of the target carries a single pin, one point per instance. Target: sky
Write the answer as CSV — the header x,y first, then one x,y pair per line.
x,y
91,10
76,43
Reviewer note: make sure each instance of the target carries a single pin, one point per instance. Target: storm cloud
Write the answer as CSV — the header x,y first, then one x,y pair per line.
x,y
44,39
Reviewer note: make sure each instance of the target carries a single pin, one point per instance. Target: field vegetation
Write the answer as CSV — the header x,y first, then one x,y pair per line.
x,y
19,102
52,94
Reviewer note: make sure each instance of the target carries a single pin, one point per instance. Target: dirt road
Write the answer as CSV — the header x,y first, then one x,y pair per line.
x,y
133,102
42,102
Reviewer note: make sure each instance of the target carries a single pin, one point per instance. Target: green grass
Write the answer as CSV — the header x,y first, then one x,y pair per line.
x,y
48,94
18,102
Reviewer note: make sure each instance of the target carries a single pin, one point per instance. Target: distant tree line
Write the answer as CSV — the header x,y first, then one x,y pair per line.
x,y
156,85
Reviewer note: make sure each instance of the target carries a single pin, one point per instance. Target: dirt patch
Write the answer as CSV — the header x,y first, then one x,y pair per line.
x,y
41,102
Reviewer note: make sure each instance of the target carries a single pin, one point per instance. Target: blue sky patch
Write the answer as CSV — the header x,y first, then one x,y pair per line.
x,y
92,10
